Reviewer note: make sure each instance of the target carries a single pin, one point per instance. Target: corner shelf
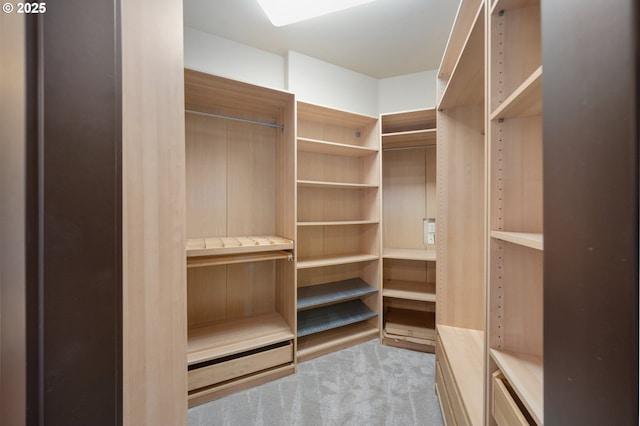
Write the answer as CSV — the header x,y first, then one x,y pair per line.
x,y
410,290
334,185
332,316
317,262
409,139
339,223
408,121
333,148
409,254
336,291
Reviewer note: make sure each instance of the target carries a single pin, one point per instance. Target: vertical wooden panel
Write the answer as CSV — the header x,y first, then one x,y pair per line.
x,y
154,307
590,108
404,173
251,289
460,225
206,164
13,225
206,295
251,174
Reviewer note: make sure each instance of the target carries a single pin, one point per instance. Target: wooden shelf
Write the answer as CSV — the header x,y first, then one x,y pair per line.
x,y
335,260
332,316
339,223
410,290
465,86
525,101
335,339
332,116
531,240
201,261
525,374
409,323
464,350
400,122
337,291
236,336
409,254
409,139
333,148
215,246
407,342
512,4
334,185
465,18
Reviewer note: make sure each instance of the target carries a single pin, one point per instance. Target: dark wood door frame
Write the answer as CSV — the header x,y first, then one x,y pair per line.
x,y
591,182
71,148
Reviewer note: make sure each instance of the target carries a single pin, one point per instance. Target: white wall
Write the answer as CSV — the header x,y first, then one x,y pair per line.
x,y
322,83
407,92
311,79
216,55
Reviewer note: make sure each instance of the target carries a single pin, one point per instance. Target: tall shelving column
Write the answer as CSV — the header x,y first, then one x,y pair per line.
x,y
240,193
409,237
515,240
460,277
338,229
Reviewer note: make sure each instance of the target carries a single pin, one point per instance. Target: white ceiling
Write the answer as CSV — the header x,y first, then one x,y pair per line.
x,y
386,38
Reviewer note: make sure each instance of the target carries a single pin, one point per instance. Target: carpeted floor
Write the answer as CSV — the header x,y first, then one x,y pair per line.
x,y
368,384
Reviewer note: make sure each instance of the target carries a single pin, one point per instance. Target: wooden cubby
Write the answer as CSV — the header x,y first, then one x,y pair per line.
x,y
409,205
460,280
515,246
338,229
240,192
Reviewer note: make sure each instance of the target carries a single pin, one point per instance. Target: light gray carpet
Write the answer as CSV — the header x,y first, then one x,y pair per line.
x,y
368,384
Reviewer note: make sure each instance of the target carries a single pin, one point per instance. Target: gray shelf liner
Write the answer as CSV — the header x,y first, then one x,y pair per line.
x,y
332,316
332,292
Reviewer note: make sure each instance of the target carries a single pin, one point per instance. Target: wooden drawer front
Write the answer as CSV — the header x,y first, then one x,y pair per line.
x,y
227,370
445,404
458,409
504,408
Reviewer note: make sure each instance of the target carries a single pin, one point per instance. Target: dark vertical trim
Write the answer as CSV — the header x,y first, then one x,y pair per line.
x,y
118,213
80,207
32,222
591,182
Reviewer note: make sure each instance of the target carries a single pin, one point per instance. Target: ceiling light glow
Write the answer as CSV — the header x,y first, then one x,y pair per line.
x,y
284,12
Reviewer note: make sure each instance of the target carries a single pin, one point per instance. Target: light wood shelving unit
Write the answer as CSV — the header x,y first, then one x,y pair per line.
x,y
515,247
460,314
409,204
338,229
240,156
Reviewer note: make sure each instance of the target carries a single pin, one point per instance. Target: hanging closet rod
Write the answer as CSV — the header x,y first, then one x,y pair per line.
x,y
242,120
408,147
